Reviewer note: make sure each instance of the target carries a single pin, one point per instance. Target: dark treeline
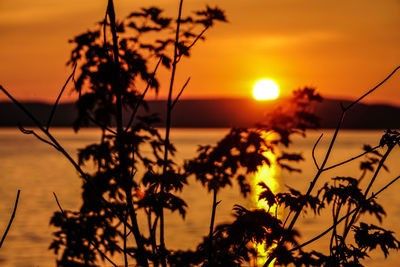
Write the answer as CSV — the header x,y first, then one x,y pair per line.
x,y
220,113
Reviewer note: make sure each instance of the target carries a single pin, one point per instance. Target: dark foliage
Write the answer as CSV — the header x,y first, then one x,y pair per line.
x,y
130,171
110,75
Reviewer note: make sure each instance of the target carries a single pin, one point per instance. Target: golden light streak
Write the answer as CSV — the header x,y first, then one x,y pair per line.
x,y
270,176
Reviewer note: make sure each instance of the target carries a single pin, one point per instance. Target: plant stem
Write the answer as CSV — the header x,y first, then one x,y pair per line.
x,y
125,254
168,128
11,219
123,160
210,235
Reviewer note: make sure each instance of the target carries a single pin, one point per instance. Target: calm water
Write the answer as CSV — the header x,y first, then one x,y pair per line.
x,y
38,170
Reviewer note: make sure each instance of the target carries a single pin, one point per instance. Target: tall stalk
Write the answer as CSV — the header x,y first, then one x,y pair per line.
x,y
210,235
168,129
122,153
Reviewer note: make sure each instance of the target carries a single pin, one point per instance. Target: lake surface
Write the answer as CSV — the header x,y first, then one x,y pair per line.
x,y
39,170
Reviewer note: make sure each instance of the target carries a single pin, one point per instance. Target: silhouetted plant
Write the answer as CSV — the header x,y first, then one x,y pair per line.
x,y
107,84
113,61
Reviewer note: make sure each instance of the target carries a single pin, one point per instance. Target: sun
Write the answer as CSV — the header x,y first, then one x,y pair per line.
x,y
265,89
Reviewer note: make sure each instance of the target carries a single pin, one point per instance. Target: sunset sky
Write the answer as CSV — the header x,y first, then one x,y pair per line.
x,y
342,48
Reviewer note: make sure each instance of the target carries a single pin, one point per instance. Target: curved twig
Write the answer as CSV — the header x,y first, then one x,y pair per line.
x,y
193,43
11,219
104,127
313,151
53,110
351,159
180,93
25,131
168,129
373,89
143,95
121,150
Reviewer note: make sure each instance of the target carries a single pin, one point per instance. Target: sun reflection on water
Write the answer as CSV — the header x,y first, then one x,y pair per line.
x,y
270,176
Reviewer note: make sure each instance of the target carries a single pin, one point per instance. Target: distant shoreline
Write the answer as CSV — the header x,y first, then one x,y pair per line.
x,y
217,113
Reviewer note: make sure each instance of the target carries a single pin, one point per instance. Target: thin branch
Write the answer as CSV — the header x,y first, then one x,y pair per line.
x,y
58,204
125,254
335,215
193,43
44,140
334,228
373,89
90,241
143,95
168,128
104,127
211,233
53,110
180,93
313,151
122,153
351,159
28,132
105,32
197,38
11,219
287,218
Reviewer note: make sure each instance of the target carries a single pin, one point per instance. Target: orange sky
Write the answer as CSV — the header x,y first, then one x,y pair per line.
x,y
342,47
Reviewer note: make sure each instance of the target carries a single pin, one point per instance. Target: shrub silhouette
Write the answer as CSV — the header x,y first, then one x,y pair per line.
x,y
112,61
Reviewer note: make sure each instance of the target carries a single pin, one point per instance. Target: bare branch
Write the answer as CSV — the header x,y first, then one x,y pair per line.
x,y
373,89
180,93
105,32
313,151
25,131
104,127
194,42
58,204
143,95
11,219
53,110
351,159
197,38
123,164
168,128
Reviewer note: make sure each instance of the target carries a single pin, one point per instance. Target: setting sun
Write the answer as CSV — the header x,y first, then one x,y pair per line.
x,y
265,89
